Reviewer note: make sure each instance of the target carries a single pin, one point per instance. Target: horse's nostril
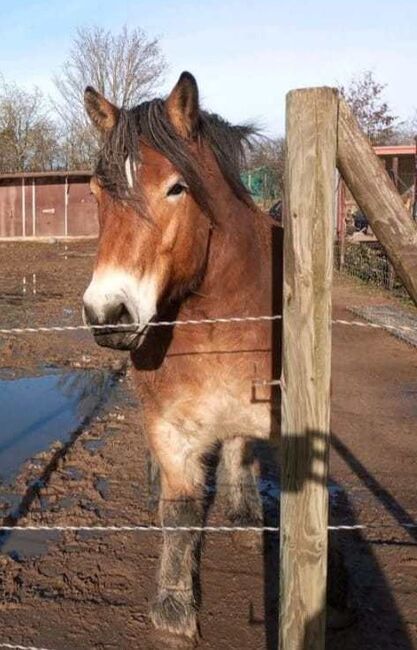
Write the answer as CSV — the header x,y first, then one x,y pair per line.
x,y
117,314
90,315
108,314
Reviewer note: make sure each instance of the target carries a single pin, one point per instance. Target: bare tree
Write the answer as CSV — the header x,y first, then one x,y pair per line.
x,y
126,67
406,132
28,136
365,97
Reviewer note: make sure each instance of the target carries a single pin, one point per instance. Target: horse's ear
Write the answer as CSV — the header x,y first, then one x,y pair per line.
x,y
103,114
182,106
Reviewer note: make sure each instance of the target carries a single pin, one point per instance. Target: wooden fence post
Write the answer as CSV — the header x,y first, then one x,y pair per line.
x,y
308,260
377,197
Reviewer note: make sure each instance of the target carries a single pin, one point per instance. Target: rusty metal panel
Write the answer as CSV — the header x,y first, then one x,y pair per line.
x,y
11,208
82,209
49,207
28,208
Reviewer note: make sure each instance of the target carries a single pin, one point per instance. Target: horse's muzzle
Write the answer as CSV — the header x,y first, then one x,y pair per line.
x,y
118,330
117,340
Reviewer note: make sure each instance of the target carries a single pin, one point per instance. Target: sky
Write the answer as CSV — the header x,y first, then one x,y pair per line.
x,y
246,55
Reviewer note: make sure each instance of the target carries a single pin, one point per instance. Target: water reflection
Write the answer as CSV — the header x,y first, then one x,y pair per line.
x,y
38,410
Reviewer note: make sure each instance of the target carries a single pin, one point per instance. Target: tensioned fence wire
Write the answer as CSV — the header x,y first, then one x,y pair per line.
x,y
120,327
204,321
12,646
202,529
193,529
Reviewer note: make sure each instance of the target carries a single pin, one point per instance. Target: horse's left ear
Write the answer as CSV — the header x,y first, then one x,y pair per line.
x,y
102,113
182,106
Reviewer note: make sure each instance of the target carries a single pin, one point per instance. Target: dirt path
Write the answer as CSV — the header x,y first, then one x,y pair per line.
x,y
89,590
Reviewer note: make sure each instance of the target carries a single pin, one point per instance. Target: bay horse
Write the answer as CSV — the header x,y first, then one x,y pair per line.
x,y
181,239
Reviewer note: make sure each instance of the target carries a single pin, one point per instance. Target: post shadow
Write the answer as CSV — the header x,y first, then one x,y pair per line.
x,y
384,496
338,589
350,557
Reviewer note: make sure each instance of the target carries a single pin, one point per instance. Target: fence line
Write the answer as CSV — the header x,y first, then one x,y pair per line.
x,y
193,529
204,321
20,647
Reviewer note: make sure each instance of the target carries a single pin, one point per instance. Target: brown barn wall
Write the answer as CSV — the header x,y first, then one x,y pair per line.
x,y
28,208
49,208
10,210
51,218
82,210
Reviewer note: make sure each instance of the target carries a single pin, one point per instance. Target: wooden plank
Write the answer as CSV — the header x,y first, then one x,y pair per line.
x,y
308,263
377,197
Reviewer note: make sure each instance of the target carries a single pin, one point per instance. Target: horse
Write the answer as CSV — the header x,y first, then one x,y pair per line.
x,y
180,240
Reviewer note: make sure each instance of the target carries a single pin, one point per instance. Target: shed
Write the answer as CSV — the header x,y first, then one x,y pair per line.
x,y
400,162
47,204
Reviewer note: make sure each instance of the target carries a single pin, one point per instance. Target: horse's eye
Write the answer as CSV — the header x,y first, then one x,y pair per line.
x,y
176,189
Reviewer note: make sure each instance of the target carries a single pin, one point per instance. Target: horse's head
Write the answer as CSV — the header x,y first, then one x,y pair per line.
x,y
160,167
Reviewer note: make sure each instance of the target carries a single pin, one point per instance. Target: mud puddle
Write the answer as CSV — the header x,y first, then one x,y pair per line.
x,y
37,413
38,410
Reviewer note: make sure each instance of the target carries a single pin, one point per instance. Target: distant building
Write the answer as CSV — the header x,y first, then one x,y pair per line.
x,y
47,204
400,161
60,203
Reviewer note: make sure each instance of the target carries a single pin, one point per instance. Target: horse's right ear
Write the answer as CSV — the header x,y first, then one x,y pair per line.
x,y
182,106
103,114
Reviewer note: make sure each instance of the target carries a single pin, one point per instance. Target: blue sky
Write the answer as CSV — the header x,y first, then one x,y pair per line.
x,y
246,55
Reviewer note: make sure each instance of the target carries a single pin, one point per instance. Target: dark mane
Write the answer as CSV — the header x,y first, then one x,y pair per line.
x,y
149,121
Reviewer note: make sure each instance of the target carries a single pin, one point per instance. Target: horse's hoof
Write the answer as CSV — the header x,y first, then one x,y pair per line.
x,y
174,612
163,641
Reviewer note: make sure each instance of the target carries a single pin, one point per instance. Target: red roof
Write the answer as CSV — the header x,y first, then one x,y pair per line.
x,y
59,173
396,150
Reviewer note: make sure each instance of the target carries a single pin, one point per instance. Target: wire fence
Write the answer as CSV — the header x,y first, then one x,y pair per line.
x,y
205,321
368,261
193,529
175,529
120,327
12,646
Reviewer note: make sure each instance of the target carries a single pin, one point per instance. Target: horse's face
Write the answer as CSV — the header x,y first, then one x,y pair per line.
x,y
144,259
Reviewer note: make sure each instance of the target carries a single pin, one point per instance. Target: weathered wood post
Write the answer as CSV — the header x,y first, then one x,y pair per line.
x,y
308,260
377,197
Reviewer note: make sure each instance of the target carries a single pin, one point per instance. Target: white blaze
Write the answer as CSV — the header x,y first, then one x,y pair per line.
x,y
128,170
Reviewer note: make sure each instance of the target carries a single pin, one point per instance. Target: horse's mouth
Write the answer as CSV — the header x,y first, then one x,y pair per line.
x,y
119,340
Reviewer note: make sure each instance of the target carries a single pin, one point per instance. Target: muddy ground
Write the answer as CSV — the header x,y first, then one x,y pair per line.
x,y
75,591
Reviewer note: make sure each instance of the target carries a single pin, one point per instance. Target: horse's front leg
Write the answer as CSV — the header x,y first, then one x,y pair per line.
x,y
181,505
237,484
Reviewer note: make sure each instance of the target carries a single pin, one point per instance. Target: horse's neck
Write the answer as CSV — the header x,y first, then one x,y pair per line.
x,y
237,277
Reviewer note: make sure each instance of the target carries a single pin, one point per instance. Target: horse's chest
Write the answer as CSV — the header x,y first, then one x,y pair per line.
x,y
213,390
212,409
